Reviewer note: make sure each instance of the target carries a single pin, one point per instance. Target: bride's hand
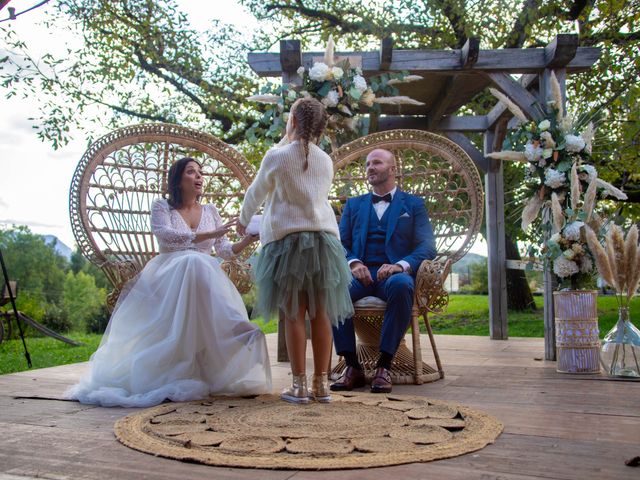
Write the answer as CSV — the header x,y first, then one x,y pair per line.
x,y
224,228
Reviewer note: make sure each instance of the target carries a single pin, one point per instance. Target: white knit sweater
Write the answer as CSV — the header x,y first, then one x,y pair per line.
x,y
295,200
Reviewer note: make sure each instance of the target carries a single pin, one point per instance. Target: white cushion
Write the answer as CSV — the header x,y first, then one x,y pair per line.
x,y
370,302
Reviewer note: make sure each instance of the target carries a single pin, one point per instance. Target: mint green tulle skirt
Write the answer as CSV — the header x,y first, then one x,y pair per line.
x,y
311,263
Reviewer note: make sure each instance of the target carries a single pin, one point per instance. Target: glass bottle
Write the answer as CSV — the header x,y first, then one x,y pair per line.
x,y
620,350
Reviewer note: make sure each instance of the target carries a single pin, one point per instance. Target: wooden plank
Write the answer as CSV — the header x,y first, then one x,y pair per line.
x,y
561,50
446,95
422,62
386,53
518,94
532,264
469,52
447,124
466,144
494,195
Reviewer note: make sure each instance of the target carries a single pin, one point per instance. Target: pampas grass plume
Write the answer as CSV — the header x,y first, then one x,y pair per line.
x,y
575,187
531,210
556,91
602,260
513,108
509,155
618,246
611,190
630,254
556,212
590,198
329,52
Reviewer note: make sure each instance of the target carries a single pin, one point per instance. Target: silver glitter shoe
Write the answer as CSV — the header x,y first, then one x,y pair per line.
x,y
320,388
297,392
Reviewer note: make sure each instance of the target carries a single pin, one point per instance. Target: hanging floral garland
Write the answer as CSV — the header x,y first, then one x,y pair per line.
x,y
343,90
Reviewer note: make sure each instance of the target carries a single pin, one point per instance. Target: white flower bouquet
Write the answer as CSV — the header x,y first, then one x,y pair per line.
x,y
563,184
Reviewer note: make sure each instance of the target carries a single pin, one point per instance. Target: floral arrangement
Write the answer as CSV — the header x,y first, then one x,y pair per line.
x,y
562,182
341,87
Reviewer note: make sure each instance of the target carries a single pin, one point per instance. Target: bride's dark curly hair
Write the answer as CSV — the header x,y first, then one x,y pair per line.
x,y
311,119
175,177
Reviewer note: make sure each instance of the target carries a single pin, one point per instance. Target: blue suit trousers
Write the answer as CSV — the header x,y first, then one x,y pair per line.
x,y
397,291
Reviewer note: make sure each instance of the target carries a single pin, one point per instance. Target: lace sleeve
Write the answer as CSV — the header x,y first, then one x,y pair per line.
x,y
169,238
221,244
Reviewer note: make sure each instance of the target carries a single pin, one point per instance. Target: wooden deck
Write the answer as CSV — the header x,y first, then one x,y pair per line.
x,y
556,425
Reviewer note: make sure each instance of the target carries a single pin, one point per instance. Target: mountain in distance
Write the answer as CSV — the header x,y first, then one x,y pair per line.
x,y
59,247
469,259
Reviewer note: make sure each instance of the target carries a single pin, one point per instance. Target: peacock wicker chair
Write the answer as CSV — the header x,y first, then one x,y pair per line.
x,y
120,176
437,169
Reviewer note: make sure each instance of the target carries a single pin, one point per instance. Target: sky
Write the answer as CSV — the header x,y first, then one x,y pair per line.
x,y
35,178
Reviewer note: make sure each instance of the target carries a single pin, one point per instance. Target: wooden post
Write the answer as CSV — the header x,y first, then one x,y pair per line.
x,y
550,282
494,195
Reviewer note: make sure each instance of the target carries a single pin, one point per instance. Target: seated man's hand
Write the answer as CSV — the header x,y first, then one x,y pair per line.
x,y
361,273
386,270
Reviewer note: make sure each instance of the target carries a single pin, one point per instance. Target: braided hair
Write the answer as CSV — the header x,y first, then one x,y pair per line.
x,y
311,119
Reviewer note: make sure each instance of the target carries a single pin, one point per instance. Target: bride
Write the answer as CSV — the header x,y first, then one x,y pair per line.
x,y
181,332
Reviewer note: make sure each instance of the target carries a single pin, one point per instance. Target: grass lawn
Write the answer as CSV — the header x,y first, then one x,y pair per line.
x,y
466,315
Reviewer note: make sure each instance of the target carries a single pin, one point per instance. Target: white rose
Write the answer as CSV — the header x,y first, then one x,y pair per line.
x,y
319,72
332,99
337,73
360,83
569,254
300,71
572,231
564,267
555,237
544,125
547,153
574,143
292,95
532,153
553,178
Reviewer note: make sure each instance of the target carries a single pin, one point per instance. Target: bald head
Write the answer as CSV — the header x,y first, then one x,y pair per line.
x,y
380,169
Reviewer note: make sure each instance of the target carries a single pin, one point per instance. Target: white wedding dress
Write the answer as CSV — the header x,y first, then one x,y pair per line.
x,y
181,331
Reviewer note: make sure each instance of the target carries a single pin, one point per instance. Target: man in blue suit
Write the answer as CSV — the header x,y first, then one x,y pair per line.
x,y
386,234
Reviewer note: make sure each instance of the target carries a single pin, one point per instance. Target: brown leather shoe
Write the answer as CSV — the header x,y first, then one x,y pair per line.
x,y
381,382
350,379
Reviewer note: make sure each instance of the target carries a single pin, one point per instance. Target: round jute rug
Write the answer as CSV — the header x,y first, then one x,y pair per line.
x,y
356,430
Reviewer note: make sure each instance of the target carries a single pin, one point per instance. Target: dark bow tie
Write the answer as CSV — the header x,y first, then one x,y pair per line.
x,y
384,198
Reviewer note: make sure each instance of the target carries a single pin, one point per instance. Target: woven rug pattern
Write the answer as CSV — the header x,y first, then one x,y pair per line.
x,y
356,430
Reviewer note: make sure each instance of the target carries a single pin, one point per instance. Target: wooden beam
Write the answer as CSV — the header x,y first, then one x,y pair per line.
x,y
494,197
447,124
476,155
386,53
518,94
469,52
423,62
561,50
445,96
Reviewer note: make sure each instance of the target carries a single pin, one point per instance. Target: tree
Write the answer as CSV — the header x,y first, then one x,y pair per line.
x,y
82,299
37,268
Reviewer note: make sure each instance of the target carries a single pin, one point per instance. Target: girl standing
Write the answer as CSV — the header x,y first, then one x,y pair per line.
x,y
302,267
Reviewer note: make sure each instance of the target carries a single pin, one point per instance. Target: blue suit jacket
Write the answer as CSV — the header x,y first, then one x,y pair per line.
x,y
409,233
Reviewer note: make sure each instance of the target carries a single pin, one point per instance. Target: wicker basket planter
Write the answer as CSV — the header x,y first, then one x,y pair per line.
x,y
577,332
